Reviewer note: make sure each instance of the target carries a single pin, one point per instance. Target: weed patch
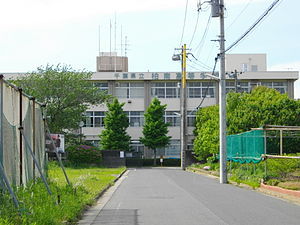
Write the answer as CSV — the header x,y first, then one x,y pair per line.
x,y
64,205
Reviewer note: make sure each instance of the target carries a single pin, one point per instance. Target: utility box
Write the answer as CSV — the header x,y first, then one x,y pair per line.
x,y
215,8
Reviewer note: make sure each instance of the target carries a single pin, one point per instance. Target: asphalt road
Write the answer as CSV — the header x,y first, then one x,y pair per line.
x,y
175,197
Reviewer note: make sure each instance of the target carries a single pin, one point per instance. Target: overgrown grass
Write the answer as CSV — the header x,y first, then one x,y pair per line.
x,y
281,172
64,205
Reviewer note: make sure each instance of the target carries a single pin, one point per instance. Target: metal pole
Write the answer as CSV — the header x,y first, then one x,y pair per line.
x,y
58,156
20,136
183,108
265,151
281,143
33,135
1,118
9,188
34,160
222,97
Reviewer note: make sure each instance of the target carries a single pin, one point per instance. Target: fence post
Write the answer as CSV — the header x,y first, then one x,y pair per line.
x,y
35,161
1,118
33,135
265,151
20,135
10,190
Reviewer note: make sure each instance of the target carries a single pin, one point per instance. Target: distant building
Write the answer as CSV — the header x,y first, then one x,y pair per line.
x,y
137,89
110,62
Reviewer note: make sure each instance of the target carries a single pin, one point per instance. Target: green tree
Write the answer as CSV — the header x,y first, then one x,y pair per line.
x,y
114,136
245,111
66,92
155,129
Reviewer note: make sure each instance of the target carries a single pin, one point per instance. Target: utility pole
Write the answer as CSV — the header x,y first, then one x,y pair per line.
x,y
183,114
217,10
222,98
183,126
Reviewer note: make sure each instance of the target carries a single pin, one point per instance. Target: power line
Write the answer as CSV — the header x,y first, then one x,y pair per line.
x,y
227,28
253,26
200,45
201,63
196,25
207,88
201,66
185,13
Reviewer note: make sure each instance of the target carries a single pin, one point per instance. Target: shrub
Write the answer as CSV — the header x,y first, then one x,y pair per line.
x,y
84,154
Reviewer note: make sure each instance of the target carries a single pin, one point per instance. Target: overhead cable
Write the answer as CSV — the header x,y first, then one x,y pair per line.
x,y
253,26
196,25
184,20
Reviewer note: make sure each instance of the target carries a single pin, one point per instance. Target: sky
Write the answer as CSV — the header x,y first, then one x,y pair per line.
x,y
35,33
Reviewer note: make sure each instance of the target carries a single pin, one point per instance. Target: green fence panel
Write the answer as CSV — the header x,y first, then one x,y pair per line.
x,y
246,147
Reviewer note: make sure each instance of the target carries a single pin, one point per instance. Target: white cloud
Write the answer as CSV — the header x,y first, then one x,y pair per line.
x,y
292,66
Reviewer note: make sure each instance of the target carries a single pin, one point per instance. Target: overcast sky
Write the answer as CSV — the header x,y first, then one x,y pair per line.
x,y
37,32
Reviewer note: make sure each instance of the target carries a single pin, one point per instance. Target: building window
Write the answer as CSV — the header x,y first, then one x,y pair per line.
x,y
230,86
94,119
171,151
130,90
201,89
137,146
136,118
254,68
173,118
102,86
277,85
241,86
244,67
165,90
191,118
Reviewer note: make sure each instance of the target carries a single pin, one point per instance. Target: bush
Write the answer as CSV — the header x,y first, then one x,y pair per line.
x,y
280,168
84,154
273,182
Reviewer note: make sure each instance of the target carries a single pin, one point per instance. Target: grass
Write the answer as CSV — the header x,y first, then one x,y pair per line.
x,y
282,172
291,185
66,203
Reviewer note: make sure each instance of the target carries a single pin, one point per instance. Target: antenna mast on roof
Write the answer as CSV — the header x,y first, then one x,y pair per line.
x,y
99,40
126,46
115,42
121,47
110,37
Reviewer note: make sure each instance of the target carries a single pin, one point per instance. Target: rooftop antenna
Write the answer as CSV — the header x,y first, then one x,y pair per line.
x,y
99,40
110,37
121,48
115,42
126,46
121,40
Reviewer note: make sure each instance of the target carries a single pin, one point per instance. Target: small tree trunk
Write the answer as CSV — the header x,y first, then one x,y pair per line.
x,y
154,162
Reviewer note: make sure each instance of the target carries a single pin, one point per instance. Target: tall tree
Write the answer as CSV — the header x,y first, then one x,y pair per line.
x,y
155,129
114,136
245,111
66,92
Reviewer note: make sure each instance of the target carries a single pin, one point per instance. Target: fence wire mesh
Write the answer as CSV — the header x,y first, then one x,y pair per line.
x,y
18,110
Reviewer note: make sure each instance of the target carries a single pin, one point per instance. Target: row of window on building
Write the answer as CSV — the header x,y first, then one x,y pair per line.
x,y
170,151
136,118
194,89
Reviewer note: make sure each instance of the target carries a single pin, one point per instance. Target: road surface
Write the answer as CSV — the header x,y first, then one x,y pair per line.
x,y
162,196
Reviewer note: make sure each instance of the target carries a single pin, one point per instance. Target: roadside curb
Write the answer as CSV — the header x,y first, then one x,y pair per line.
x,y
109,185
81,219
281,190
281,193
290,195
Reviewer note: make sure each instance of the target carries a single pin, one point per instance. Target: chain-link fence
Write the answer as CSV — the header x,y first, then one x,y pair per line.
x,y
21,134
